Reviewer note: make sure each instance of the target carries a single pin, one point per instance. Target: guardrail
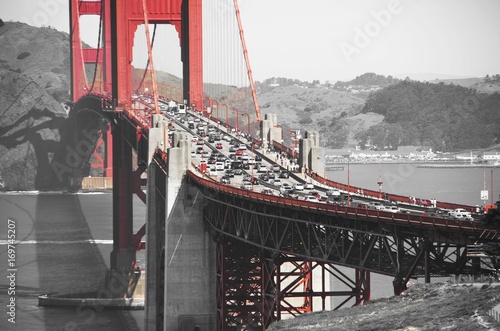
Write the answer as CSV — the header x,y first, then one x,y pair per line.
x,y
387,196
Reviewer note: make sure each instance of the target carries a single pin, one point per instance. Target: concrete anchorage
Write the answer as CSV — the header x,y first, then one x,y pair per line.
x,y
181,264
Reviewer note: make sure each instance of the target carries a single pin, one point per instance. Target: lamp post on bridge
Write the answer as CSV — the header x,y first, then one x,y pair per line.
x,y
227,113
253,165
248,122
236,111
212,102
348,180
491,183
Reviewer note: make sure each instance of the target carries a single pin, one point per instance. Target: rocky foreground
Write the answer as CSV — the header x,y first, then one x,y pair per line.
x,y
422,307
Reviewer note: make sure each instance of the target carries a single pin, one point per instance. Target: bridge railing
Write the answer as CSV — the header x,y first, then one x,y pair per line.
x,y
369,214
387,196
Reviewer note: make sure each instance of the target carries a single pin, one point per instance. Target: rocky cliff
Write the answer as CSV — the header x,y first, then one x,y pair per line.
x,y
34,75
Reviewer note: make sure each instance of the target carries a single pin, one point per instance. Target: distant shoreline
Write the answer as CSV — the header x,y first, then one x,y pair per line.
x,y
419,164
456,166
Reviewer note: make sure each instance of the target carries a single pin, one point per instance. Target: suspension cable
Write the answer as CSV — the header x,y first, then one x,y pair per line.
x,y
147,63
249,70
81,49
150,55
98,48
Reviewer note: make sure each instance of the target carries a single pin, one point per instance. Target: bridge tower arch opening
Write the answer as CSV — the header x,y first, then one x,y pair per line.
x,y
184,15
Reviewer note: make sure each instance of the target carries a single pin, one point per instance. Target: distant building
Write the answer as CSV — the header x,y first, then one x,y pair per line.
x,y
491,157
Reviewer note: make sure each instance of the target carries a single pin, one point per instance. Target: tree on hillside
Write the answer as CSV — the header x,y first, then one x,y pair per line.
x,y
446,117
368,79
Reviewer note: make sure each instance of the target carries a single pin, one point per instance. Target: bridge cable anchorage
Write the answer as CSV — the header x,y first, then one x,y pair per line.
x,y
247,61
150,57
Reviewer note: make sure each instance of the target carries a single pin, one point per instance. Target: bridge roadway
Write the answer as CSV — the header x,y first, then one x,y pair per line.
x,y
404,245
269,159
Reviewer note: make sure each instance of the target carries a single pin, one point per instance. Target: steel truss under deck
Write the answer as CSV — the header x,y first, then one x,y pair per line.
x,y
256,287
309,237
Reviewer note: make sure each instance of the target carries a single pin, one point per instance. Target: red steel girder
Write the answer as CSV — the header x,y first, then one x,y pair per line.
x,y
256,287
401,250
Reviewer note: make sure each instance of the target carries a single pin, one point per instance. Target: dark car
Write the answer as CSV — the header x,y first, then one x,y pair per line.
x,y
257,158
284,174
225,180
229,173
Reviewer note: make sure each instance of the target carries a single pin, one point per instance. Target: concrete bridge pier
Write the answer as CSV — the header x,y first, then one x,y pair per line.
x,y
180,277
310,153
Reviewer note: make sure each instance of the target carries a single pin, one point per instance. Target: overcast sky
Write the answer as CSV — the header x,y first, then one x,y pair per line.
x,y
340,39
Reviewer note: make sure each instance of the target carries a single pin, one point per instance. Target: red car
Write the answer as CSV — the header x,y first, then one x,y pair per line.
x,y
315,194
218,146
239,152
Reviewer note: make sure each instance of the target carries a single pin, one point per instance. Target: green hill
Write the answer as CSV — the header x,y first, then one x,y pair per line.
x,y
445,117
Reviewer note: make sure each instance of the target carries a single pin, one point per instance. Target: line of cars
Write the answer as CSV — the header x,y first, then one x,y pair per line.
x,y
239,160
457,214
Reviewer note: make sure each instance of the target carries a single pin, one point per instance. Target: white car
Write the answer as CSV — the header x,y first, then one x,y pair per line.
x,y
285,187
333,192
460,213
298,187
376,205
391,209
310,198
246,185
309,186
277,182
262,168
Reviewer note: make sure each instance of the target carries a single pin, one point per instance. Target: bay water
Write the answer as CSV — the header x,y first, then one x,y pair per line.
x,y
66,241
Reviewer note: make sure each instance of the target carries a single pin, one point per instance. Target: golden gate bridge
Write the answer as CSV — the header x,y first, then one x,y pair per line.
x,y
255,253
